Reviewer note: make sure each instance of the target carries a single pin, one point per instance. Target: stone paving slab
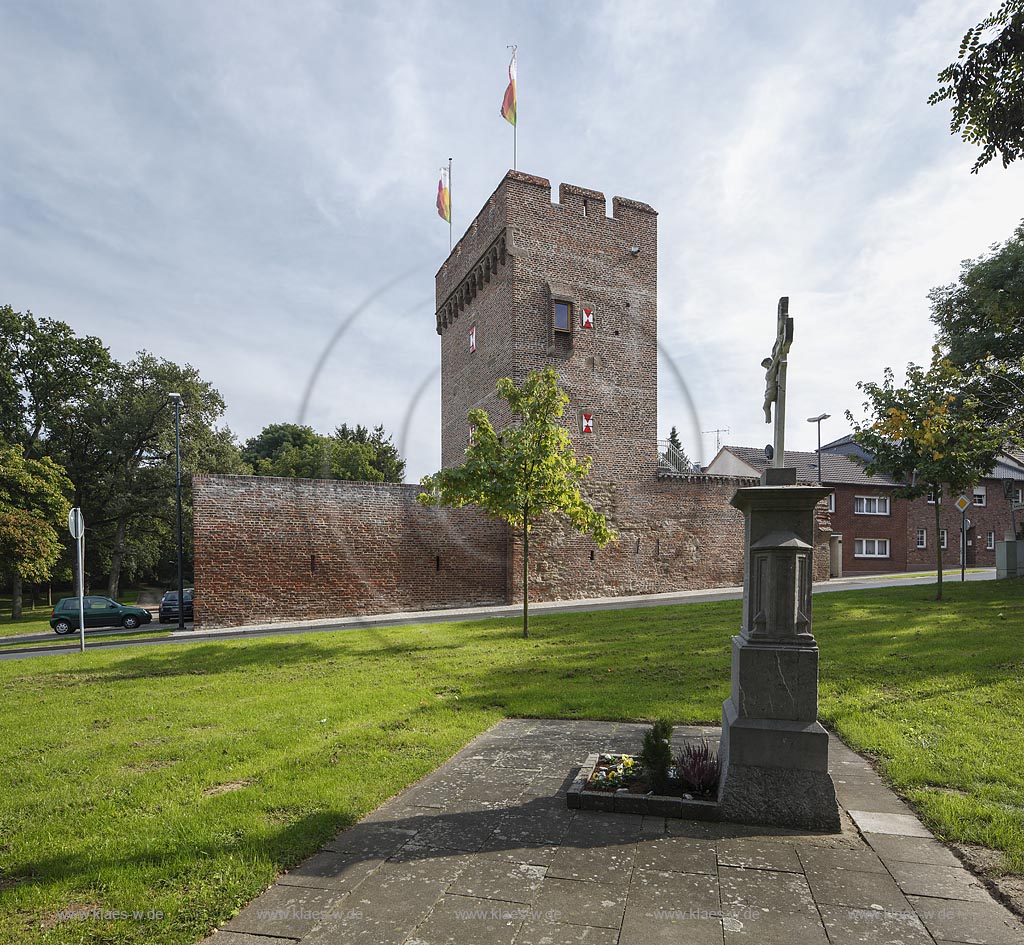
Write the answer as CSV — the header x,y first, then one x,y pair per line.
x,y
484,851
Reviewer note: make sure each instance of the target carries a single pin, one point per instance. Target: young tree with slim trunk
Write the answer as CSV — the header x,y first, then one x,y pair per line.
x,y
928,434
527,470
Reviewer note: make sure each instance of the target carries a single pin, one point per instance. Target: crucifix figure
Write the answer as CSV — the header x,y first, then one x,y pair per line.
x,y
775,381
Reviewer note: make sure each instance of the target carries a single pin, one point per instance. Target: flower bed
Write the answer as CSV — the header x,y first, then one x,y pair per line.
x,y
612,773
631,796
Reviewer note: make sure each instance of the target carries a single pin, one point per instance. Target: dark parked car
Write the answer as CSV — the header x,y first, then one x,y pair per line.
x,y
169,606
99,612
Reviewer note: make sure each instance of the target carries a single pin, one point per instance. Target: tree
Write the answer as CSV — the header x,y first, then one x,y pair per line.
x,y
528,470
980,326
33,504
46,371
928,434
385,458
289,450
986,86
353,453
119,452
677,445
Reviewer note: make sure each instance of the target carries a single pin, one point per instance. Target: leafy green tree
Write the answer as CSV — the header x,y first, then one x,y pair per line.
x,y
46,373
980,325
385,456
927,434
289,450
119,452
986,86
33,505
528,470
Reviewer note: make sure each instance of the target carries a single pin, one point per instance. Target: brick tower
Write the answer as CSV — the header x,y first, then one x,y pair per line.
x,y
534,284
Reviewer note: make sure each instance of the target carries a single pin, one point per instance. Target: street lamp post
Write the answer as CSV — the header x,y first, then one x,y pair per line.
x,y
818,420
176,400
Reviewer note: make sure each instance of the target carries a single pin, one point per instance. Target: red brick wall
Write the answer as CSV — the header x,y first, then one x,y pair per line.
x,y
852,526
271,550
674,534
993,517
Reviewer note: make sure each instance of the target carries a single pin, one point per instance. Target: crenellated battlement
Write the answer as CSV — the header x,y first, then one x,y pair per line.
x,y
521,204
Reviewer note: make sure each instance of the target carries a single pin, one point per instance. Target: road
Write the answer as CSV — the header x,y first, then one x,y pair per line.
x,y
94,638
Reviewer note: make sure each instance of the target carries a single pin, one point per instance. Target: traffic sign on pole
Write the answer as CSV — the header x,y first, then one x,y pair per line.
x,y
963,503
76,525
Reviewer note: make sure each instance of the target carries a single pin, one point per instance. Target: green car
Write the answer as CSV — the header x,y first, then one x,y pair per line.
x,y
99,612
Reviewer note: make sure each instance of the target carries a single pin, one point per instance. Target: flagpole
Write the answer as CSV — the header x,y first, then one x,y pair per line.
x,y
449,205
515,124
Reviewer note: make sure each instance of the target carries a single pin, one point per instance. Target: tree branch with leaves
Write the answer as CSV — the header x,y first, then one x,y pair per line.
x,y
927,434
528,470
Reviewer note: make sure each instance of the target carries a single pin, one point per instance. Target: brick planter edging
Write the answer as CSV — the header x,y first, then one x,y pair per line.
x,y
658,805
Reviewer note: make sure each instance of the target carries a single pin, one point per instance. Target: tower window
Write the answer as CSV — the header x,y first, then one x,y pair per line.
x,y
562,315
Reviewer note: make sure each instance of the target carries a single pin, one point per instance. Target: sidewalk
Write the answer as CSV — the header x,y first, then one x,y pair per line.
x,y
484,851
732,592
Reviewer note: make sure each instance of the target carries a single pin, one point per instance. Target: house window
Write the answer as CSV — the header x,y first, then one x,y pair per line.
x,y
979,496
922,538
943,539
1020,496
871,505
990,543
871,548
932,497
472,339
562,315
831,501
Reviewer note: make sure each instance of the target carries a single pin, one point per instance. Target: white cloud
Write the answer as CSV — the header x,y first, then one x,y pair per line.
x,y
223,183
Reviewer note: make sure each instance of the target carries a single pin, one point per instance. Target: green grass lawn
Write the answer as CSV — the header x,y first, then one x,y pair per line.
x,y
183,778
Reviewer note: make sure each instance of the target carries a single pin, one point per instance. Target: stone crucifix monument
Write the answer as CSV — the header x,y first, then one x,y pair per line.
x,y
774,752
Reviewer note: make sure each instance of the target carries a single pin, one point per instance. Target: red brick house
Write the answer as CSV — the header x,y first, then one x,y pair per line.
x,y
875,531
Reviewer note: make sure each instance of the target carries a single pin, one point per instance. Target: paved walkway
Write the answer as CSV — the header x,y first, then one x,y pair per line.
x,y
484,852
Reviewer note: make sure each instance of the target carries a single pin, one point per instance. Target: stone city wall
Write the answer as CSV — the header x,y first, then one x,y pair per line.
x,y
272,550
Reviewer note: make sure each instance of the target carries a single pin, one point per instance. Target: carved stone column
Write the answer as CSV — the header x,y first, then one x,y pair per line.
x,y
774,751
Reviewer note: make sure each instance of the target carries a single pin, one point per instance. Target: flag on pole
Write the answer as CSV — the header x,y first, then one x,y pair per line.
x,y
508,105
444,197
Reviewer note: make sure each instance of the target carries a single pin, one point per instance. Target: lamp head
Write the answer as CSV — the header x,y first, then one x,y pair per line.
x,y
819,418
174,398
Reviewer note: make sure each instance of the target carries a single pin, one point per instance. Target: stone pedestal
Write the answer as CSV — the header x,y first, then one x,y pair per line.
x,y
774,753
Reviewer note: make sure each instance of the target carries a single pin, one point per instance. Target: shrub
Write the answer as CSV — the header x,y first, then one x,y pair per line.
x,y
656,754
697,767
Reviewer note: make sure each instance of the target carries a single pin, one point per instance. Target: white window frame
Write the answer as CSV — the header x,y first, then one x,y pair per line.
x,y
990,541
831,501
980,493
932,497
943,539
863,500
922,538
862,545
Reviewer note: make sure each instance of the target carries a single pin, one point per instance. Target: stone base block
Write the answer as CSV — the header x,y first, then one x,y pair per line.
x,y
775,773
772,743
779,797
774,682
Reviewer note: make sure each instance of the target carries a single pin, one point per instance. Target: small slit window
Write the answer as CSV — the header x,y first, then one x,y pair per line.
x,y
561,315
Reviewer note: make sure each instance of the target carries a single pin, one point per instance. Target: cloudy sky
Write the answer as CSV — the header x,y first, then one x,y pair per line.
x,y
228,183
